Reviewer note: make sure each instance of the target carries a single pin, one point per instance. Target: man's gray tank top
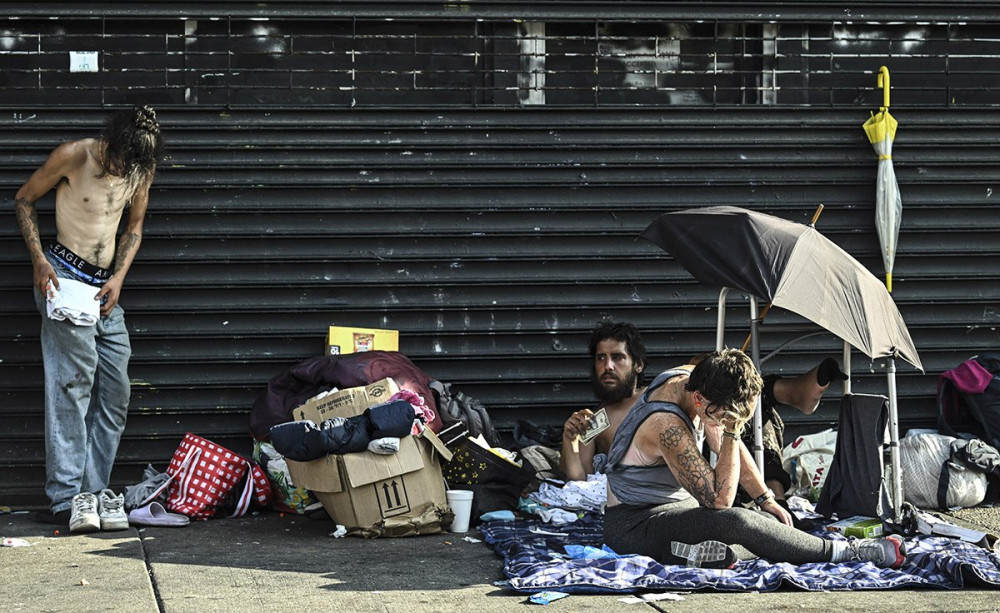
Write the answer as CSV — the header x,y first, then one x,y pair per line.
x,y
645,485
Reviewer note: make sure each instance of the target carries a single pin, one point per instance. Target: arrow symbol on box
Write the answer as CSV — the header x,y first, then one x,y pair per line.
x,y
395,494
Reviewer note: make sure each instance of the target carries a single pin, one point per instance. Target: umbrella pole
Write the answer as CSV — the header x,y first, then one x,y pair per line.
x,y
720,325
897,478
847,368
758,421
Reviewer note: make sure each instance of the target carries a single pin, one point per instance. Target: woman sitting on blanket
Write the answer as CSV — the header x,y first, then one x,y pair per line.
x,y
664,499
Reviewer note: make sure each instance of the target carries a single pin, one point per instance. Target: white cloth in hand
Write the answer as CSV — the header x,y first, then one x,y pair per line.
x,y
74,300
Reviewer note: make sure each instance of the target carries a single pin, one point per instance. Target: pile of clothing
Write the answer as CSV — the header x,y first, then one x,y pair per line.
x,y
378,430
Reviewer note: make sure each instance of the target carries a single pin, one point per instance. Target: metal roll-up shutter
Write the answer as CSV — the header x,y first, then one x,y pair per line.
x,y
489,217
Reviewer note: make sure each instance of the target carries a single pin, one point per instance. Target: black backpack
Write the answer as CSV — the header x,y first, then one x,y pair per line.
x,y
967,410
457,408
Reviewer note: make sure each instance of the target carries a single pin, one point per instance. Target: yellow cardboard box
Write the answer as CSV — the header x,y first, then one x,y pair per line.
x,y
341,339
371,494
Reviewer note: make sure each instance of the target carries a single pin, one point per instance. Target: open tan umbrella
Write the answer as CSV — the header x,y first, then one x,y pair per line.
x,y
794,267
881,131
790,265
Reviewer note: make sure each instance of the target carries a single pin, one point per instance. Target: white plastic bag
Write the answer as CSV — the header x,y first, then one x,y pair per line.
x,y
807,459
921,458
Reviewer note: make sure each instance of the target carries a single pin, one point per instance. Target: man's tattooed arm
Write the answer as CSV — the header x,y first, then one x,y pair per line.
x,y
690,467
127,246
27,219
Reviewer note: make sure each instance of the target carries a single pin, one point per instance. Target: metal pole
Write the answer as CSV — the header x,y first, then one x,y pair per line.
x,y
720,333
847,368
758,420
897,478
720,326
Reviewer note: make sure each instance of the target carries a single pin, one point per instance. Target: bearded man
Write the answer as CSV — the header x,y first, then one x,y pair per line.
x,y
618,357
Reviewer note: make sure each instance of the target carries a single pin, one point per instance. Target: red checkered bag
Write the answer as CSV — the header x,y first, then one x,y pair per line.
x,y
202,474
261,485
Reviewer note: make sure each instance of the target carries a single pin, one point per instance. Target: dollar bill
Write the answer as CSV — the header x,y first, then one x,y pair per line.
x,y
598,423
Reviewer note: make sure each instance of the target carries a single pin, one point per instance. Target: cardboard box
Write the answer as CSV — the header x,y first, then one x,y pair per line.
x,y
368,493
859,526
341,340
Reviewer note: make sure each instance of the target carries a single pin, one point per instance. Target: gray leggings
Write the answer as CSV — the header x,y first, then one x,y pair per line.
x,y
649,530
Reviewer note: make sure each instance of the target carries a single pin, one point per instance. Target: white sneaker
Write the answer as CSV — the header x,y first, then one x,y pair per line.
x,y
888,552
113,511
706,554
84,517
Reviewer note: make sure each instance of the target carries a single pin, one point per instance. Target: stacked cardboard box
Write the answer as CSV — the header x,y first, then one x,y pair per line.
x,y
372,494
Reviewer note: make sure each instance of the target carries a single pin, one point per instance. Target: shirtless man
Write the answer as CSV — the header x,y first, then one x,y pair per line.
x,y
86,381
618,359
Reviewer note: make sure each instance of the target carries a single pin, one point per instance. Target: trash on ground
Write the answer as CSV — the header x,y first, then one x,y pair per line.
x,y
651,598
546,597
340,532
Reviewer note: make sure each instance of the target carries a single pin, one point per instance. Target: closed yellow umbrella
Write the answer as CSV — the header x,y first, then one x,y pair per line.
x,y
881,131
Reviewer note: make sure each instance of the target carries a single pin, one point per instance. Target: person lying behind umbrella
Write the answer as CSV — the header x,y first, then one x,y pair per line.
x,y
664,499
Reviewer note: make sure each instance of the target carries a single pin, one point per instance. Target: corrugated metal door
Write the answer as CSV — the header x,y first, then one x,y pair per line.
x,y
478,183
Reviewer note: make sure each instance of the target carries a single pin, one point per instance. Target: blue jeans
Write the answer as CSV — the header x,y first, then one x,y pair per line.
x,y
86,399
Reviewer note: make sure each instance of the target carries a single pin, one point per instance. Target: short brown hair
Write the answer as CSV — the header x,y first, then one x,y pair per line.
x,y
727,378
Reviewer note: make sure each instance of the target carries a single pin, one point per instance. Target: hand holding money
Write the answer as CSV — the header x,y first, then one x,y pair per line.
x,y
584,425
575,426
597,423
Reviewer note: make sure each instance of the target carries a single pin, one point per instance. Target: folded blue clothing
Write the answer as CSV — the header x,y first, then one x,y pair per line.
x,y
391,419
350,436
298,440
303,441
497,516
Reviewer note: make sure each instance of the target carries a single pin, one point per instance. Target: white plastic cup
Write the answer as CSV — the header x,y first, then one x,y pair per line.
x,y
460,502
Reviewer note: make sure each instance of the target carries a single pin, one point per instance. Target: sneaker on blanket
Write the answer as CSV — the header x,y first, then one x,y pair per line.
x,y
706,554
888,552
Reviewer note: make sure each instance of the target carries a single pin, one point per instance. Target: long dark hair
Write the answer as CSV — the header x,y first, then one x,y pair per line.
x,y
622,332
133,145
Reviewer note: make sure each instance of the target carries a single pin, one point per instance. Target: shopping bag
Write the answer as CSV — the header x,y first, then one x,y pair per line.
x,y
261,485
201,474
807,459
285,496
497,482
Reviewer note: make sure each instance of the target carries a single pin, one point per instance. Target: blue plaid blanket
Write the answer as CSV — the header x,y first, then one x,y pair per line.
x,y
536,559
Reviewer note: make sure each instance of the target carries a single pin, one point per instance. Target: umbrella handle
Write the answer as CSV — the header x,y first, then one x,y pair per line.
x,y
883,82
812,223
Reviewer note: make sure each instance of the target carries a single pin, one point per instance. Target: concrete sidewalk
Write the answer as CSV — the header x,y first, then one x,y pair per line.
x,y
272,563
